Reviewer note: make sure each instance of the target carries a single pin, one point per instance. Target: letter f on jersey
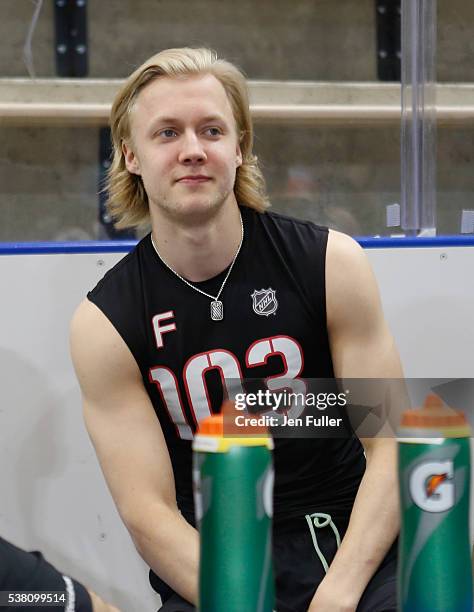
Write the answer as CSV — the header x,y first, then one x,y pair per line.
x,y
162,329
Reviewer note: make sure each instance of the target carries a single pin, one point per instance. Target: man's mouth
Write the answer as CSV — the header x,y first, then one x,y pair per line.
x,y
194,179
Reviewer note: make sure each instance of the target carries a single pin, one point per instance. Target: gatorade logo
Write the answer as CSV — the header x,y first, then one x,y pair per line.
x,y
432,487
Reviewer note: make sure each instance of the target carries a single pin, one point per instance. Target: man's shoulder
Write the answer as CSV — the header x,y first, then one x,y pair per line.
x,y
344,250
295,235
272,217
352,292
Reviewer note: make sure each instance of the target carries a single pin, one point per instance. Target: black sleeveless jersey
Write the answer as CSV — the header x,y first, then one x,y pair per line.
x,y
274,327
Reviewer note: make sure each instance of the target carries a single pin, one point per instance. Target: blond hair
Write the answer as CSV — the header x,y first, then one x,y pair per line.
x,y
127,198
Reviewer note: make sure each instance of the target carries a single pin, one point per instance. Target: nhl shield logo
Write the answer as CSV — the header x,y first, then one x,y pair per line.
x,y
264,302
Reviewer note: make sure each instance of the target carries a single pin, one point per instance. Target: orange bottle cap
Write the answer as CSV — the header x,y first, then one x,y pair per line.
x,y
212,426
433,414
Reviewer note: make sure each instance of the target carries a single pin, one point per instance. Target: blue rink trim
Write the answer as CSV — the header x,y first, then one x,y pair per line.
x,y
44,248
411,242
124,246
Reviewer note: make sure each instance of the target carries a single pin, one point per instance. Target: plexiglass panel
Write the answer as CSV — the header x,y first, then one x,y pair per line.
x,y
48,184
49,178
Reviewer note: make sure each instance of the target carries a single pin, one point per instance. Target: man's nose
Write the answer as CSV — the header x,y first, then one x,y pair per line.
x,y
192,150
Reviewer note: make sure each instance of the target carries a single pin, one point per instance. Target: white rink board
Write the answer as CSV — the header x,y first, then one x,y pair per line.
x,y
53,495
428,300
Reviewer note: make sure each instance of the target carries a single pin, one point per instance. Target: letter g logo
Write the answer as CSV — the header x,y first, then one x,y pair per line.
x,y
432,487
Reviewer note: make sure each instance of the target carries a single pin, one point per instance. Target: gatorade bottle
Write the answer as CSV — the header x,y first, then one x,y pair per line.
x,y
434,573
233,493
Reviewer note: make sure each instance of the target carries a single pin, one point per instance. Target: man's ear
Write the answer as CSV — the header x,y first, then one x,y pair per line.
x,y
131,161
238,159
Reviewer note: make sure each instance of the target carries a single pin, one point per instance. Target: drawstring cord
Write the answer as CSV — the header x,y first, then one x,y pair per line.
x,y
313,521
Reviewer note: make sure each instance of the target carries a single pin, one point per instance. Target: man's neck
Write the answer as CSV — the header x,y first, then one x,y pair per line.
x,y
202,250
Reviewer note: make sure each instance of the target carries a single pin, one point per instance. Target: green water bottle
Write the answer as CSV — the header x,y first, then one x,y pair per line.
x,y
434,572
233,493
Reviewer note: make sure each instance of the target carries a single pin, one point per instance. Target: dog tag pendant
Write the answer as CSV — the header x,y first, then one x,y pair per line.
x,y
217,310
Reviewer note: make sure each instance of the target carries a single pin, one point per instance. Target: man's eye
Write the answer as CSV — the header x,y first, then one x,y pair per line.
x,y
168,133
213,131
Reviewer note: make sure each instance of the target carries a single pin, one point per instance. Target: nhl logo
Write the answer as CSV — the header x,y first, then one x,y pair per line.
x,y
264,302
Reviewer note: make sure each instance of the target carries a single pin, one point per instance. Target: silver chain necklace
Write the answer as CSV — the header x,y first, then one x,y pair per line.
x,y
217,307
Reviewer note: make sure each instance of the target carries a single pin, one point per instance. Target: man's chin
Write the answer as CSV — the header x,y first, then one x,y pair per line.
x,y
193,211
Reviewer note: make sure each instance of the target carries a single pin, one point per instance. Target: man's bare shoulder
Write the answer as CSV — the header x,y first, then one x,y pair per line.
x,y
87,313
351,289
98,351
90,326
344,249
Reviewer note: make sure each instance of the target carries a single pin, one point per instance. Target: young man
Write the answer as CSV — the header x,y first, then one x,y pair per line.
x,y
178,318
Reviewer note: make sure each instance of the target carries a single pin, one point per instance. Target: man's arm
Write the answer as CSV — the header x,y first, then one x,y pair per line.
x,y
361,347
132,451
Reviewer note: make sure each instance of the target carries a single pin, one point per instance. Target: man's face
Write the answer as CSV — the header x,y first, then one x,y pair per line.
x,y
184,145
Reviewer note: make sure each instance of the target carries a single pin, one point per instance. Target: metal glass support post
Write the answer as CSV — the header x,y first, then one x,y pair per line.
x,y
418,129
